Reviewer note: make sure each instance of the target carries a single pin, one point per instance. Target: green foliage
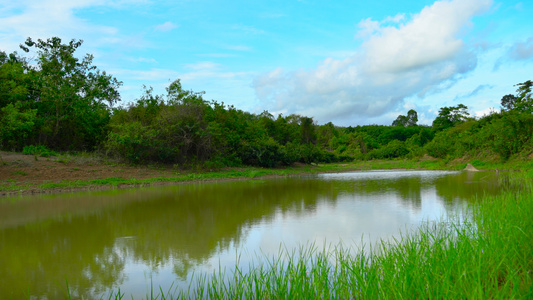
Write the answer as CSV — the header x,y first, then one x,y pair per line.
x,y
14,79
70,98
264,153
16,125
38,150
511,133
505,134
450,116
182,128
410,120
63,102
307,131
325,134
508,102
524,98
393,149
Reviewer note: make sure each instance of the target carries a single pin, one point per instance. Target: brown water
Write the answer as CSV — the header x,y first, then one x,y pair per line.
x,y
130,239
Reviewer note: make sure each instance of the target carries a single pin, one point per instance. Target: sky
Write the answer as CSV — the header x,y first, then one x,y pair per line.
x,y
346,62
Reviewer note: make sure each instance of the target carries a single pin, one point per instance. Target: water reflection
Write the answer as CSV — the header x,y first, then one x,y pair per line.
x,y
104,240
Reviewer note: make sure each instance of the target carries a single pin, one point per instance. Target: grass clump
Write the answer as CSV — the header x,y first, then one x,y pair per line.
x,y
38,150
23,173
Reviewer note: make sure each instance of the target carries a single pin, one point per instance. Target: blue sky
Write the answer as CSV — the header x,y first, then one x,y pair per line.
x,y
348,62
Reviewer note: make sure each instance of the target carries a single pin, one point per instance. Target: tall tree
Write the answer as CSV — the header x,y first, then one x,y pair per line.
x,y
13,79
73,97
410,120
307,130
524,97
450,116
508,102
522,101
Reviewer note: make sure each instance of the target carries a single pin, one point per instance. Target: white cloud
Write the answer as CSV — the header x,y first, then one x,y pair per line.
x,y
522,50
475,92
519,51
398,58
147,76
485,112
143,60
167,26
42,19
203,65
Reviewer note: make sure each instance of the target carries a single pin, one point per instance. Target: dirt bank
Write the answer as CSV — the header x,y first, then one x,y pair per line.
x,y
29,172
26,174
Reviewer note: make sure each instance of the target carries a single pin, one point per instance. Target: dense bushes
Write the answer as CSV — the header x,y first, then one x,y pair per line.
x,y
182,128
503,134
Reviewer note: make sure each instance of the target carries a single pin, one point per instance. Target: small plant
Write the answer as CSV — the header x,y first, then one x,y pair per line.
x,y
38,150
478,163
19,173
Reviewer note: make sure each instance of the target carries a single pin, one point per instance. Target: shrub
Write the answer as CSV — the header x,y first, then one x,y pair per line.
x,y
38,150
393,149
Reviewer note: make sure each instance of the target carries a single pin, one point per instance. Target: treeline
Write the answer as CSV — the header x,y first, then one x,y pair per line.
x,y
66,104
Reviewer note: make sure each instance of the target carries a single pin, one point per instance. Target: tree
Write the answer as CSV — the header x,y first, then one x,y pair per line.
x,y
450,116
73,98
509,102
524,100
307,130
325,134
13,79
410,120
15,125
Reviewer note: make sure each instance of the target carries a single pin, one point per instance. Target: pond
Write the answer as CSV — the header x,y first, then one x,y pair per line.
x,y
131,239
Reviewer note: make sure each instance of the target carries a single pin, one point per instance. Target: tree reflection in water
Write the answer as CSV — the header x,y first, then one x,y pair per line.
x,y
89,239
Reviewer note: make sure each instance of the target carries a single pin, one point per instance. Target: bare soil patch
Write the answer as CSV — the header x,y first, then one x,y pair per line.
x,y
28,170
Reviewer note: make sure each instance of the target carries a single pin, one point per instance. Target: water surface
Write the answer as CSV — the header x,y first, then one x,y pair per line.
x,y
102,241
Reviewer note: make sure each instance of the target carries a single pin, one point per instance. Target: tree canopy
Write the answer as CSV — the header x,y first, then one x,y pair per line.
x,y
410,120
450,116
71,98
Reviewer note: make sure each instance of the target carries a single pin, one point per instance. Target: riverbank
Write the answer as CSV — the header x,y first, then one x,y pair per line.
x,y
28,174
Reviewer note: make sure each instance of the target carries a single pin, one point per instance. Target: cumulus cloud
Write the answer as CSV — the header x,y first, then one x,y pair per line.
x,y
399,57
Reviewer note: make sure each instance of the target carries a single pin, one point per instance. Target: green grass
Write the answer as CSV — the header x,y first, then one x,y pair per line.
x,y
38,150
488,257
23,173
